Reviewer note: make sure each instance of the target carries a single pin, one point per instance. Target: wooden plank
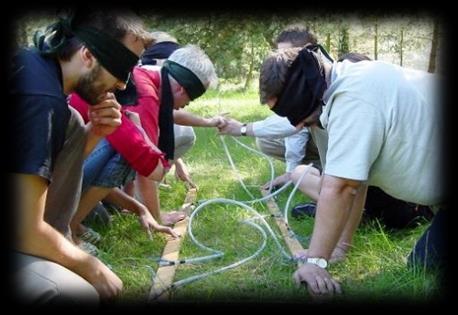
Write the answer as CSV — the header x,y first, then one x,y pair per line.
x,y
293,244
165,274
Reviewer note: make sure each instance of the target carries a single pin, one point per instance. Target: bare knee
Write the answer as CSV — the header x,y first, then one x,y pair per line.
x,y
299,173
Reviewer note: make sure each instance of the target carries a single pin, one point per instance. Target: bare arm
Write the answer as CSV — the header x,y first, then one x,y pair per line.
x,y
185,118
120,198
233,128
335,201
353,221
334,207
104,119
36,237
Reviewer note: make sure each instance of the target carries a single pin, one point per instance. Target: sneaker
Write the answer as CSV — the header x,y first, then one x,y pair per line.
x,y
90,236
88,248
301,210
99,214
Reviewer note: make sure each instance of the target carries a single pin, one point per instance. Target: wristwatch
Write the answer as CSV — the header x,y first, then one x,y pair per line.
x,y
243,130
320,262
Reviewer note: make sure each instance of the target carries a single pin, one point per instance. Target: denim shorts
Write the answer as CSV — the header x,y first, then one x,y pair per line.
x,y
105,167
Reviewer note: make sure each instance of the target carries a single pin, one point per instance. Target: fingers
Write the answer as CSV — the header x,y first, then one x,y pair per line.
x,y
172,232
324,286
266,185
318,281
106,113
297,278
150,235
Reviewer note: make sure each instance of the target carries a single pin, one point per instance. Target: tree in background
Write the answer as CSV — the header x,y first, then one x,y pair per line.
x,y
237,43
434,47
343,43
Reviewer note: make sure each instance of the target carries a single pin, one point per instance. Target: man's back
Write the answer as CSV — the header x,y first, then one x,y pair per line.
x,y
381,123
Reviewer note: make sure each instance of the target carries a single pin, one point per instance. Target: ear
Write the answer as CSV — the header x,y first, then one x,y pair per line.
x,y
181,89
87,57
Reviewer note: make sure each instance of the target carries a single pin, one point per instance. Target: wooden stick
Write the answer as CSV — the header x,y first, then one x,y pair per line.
x,y
293,244
165,274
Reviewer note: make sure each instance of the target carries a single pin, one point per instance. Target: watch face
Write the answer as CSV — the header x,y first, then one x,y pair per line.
x,y
322,263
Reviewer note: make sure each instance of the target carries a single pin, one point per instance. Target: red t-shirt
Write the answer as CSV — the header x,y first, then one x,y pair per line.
x,y
127,139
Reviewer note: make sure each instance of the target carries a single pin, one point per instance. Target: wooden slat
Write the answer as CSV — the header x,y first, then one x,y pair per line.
x,y
293,244
165,274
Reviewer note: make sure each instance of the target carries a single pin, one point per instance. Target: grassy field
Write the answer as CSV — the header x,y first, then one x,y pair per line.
x,y
374,271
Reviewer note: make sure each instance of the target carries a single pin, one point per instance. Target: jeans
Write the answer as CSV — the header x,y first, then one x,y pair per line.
x,y
430,251
105,167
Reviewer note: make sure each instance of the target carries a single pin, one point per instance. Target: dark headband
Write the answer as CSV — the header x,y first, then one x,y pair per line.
x,y
303,89
186,78
111,53
160,50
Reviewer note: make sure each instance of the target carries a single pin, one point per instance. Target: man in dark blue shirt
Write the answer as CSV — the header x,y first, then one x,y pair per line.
x,y
91,53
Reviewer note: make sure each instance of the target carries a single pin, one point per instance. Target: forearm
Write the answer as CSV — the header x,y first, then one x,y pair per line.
x,y
273,126
147,190
333,211
123,200
354,218
130,141
91,140
181,117
36,237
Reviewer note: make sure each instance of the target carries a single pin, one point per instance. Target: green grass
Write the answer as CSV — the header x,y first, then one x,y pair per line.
x,y
374,271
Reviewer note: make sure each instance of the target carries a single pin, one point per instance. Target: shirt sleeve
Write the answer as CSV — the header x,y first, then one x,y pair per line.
x,y
295,149
75,101
39,127
356,133
273,127
129,141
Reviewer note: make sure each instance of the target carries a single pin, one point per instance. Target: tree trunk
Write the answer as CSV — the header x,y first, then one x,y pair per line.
x,y
328,42
401,44
249,75
434,45
376,40
344,46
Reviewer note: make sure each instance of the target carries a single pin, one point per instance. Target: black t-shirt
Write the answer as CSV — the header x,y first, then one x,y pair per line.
x,y
40,113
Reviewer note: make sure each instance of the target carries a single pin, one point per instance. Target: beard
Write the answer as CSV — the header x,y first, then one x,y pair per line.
x,y
88,88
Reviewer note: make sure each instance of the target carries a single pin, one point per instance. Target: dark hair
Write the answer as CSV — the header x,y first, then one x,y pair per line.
x,y
297,34
273,72
353,57
114,23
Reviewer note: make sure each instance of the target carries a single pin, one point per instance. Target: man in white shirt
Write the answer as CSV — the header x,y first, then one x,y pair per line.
x,y
380,120
275,136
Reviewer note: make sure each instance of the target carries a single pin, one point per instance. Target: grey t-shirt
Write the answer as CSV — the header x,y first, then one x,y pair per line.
x,y
383,127
65,189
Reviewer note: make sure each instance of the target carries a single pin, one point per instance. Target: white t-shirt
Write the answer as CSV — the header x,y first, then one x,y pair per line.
x,y
276,126
383,127
273,126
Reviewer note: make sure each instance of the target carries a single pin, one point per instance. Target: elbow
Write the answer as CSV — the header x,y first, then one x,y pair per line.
x,y
27,237
158,173
340,186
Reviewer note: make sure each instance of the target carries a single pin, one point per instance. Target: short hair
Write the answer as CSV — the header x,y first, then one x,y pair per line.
x,y
297,34
195,59
114,23
353,57
160,36
273,72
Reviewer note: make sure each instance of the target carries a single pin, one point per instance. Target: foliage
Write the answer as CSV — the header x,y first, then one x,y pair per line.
x,y
237,42
375,268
